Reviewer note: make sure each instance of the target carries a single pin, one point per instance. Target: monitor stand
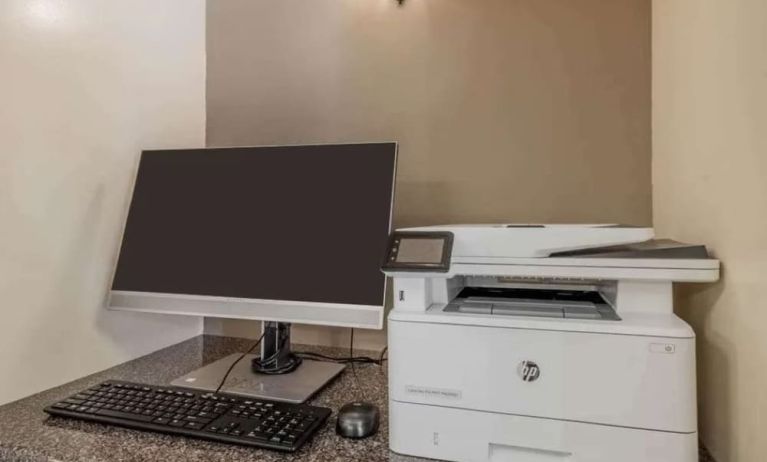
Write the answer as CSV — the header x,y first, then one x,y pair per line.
x,y
276,374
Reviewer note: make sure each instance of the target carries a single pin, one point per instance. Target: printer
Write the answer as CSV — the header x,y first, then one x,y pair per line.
x,y
541,343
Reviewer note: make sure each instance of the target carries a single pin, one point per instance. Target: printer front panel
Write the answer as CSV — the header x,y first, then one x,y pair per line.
x,y
621,380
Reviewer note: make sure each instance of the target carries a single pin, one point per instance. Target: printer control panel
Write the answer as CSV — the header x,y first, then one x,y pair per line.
x,y
419,251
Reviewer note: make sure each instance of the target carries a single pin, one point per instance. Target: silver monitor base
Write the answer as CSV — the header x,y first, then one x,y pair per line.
x,y
295,387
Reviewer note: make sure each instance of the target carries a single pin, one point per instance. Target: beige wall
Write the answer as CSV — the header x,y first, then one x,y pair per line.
x,y
710,186
505,110
86,84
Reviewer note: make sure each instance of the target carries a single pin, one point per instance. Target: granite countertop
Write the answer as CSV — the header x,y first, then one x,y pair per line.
x,y
27,434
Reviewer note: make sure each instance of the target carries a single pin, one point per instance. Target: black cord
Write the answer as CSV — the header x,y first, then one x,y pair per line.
x,y
354,365
262,366
346,360
342,360
383,353
275,355
229,371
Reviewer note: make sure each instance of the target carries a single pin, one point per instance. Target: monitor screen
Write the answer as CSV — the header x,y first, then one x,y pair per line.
x,y
296,223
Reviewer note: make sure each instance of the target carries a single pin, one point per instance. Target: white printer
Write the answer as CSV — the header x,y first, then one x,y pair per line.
x,y
542,343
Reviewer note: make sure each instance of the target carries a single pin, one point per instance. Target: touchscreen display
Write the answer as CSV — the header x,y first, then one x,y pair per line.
x,y
420,250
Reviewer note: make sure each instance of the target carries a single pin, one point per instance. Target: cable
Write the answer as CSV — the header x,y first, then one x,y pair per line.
x,y
383,353
229,371
342,360
274,355
346,360
262,366
354,365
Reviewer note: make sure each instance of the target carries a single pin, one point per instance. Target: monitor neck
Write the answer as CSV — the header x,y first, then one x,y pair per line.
x,y
276,355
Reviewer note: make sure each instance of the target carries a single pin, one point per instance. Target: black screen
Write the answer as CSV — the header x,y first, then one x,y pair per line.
x,y
301,223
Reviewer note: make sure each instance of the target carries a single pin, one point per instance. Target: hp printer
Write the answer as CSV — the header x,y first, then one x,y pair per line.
x,y
542,343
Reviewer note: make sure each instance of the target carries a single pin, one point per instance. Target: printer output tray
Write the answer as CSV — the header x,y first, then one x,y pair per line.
x,y
546,303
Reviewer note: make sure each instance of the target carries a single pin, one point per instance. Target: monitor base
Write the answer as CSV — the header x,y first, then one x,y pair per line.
x,y
295,387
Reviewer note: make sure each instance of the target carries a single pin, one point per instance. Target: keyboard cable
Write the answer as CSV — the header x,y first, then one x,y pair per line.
x,y
229,371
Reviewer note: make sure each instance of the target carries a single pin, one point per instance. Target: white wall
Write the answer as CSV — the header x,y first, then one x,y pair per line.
x,y
710,186
84,86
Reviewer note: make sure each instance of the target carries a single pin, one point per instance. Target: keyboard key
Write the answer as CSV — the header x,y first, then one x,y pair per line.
x,y
191,418
124,415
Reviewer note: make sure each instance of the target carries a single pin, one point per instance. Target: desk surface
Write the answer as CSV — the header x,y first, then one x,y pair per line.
x,y
27,434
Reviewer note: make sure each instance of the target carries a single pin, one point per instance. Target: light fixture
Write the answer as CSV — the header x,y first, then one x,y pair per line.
x,y
46,12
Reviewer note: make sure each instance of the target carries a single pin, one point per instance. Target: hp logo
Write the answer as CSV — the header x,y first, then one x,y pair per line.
x,y
528,371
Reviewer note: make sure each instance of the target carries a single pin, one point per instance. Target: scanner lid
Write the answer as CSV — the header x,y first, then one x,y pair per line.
x,y
535,240
588,251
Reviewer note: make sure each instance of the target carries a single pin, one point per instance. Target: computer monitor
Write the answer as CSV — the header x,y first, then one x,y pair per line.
x,y
284,234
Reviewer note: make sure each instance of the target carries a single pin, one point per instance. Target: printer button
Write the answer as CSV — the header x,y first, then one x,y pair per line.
x,y
663,348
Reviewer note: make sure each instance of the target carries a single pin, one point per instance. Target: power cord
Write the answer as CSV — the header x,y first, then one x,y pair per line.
x,y
229,371
346,360
383,353
354,365
261,366
341,360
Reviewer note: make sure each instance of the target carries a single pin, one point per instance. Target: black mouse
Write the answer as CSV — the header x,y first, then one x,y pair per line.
x,y
357,420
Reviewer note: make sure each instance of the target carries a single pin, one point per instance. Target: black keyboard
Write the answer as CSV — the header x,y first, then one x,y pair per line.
x,y
211,416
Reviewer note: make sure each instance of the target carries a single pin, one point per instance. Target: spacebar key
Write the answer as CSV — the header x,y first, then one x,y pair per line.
x,y
125,415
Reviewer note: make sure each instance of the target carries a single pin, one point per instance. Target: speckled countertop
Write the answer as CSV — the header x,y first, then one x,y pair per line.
x,y
29,435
